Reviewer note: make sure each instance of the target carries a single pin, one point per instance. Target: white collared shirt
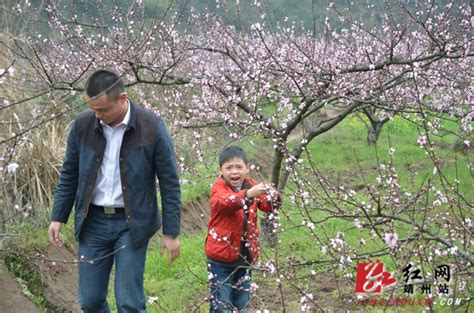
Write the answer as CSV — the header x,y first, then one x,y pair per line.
x,y
108,187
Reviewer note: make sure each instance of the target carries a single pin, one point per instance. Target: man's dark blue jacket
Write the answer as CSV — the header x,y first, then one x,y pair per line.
x,y
146,151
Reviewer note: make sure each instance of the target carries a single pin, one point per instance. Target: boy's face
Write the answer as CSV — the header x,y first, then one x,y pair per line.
x,y
234,171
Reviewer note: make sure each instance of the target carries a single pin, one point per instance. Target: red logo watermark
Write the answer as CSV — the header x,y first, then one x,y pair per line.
x,y
371,277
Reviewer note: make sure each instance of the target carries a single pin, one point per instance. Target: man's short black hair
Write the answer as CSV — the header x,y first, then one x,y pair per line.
x,y
232,152
104,81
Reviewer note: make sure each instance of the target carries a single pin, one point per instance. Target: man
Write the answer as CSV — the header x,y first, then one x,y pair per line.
x,y
113,153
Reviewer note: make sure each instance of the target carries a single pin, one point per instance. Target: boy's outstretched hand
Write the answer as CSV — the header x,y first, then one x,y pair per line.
x,y
261,189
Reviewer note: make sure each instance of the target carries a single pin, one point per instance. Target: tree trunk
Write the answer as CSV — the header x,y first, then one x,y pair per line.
x,y
268,235
374,131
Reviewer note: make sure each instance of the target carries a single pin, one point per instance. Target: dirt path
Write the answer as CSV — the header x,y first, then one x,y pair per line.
x,y
60,281
12,299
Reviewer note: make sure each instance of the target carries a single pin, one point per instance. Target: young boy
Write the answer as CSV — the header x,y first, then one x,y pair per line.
x,y
232,241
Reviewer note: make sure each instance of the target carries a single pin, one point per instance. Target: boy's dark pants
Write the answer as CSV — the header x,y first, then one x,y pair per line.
x,y
230,287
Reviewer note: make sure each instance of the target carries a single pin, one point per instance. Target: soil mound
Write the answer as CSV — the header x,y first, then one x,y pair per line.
x,y
195,215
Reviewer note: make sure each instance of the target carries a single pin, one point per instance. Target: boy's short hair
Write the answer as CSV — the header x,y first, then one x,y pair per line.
x,y
232,152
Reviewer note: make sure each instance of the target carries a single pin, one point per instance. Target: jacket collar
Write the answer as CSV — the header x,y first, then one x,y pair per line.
x,y
132,123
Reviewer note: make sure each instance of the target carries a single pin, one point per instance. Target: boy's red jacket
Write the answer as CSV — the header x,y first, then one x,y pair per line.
x,y
226,225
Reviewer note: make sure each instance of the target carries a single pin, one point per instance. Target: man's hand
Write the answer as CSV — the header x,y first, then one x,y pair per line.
x,y
172,245
53,233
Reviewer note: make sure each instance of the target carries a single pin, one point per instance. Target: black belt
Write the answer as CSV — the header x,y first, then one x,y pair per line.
x,y
107,210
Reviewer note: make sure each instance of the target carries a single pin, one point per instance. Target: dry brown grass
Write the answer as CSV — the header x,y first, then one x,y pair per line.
x,y
39,155
38,152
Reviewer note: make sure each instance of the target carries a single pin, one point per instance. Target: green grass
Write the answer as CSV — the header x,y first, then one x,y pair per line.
x,y
177,285
344,152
